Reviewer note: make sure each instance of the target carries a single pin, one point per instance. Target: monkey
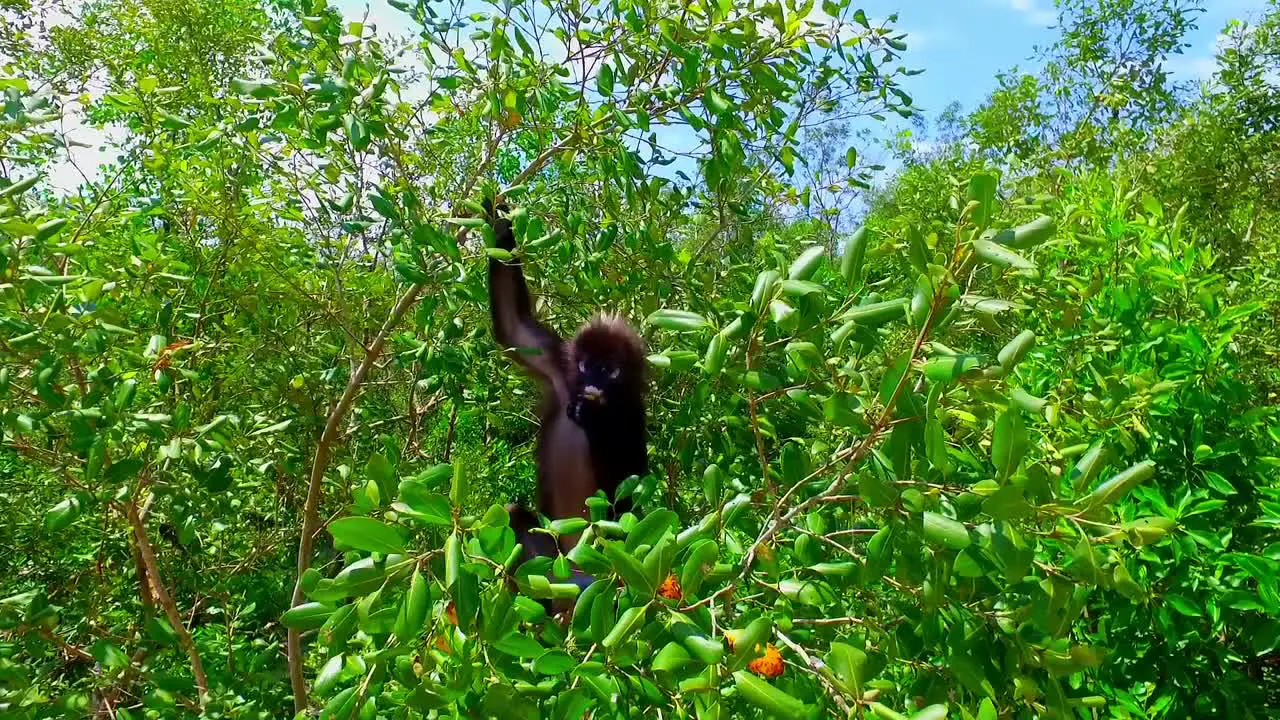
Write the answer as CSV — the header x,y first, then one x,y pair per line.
x,y
592,430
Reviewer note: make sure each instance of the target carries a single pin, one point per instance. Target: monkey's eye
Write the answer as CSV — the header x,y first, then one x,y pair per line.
x,y
582,366
616,372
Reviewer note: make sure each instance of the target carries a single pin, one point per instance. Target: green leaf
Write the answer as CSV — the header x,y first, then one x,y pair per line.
x,y
950,368
800,288
749,641
1119,485
1016,349
764,290
345,704
849,664
380,470
1032,234
702,557
19,187
159,629
671,658
878,313
1006,503
306,616
712,483
413,608
935,441
629,569
258,89
458,488
554,662
706,650
272,429
893,376
520,645
677,320
604,79
1148,530
806,592
774,702
363,533
933,712
627,624
1026,401
717,351
1182,605
61,516
360,577
329,673
918,254
884,713
1084,561
651,528
1087,467
1000,255
807,263
110,656
1267,639
945,532
1008,443
46,230
855,252
716,102
569,526
982,190
452,559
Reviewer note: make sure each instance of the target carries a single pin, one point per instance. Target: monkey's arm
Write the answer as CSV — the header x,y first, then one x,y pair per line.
x,y
535,346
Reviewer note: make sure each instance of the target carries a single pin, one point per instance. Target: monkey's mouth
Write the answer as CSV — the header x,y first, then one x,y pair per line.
x,y
588,398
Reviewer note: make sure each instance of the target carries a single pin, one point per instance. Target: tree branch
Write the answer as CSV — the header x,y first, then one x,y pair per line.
x,y
324,450
166,601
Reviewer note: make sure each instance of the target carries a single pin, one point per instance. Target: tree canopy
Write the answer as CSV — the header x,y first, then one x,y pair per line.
x,y
989,434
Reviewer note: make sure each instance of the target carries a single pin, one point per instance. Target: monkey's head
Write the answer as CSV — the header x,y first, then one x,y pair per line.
x,y
607,367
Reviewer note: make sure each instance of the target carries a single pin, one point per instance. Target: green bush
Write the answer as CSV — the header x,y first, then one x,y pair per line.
x,y
1009,449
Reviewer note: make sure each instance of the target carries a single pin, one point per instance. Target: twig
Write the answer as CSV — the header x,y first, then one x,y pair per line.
x,y
166,602
453,424
827,622
708,599
820,670
324,449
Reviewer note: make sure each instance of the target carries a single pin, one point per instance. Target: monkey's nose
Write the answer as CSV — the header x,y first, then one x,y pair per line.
x,y
592,393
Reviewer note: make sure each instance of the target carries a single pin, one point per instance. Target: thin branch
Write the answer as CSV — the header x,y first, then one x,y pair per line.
x,y
165,600
324,450
822,672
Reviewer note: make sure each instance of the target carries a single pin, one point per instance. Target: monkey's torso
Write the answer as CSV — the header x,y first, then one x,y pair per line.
x,y
573,462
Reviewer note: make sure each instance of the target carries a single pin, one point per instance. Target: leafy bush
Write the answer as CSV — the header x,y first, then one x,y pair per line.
x,y
1007,450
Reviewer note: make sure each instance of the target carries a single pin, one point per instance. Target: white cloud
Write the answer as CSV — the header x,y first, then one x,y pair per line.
x,y
1034,12
919,39
1199,66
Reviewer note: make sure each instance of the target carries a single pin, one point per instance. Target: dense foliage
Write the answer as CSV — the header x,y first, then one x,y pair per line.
x,y
993,436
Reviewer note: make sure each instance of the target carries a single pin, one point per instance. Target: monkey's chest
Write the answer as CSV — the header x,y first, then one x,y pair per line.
x,y
568,478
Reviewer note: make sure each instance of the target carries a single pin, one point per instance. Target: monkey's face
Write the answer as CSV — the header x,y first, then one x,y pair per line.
x,y
606,369
595,382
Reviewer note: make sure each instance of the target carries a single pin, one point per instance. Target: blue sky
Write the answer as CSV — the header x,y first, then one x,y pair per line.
x,y
962,44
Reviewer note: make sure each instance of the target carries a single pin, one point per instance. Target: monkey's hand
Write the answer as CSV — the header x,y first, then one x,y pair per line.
x,y
503,237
